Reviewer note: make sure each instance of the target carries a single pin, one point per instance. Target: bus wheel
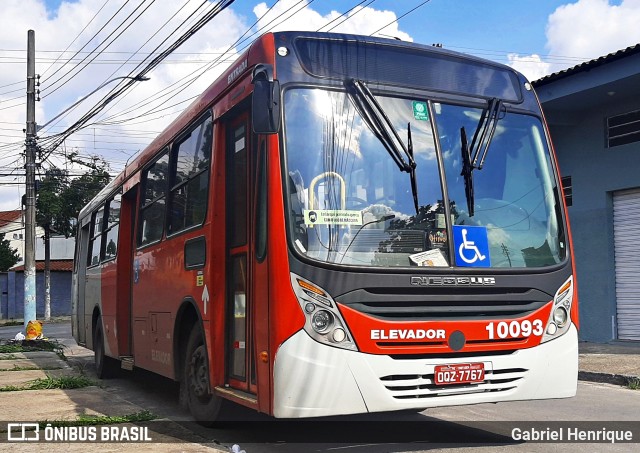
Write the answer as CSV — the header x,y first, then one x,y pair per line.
x,y
203,405
106,367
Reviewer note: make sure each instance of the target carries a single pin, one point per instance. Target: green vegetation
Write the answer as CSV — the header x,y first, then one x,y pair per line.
x,y
634,384
8,255
11,347
60,196
32,346
62,382
31,368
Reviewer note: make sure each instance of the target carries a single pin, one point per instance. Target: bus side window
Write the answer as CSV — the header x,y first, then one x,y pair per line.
x,y
152,206
190,158
95,242
111,231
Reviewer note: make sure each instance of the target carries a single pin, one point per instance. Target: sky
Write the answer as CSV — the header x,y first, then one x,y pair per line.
x,y
536,37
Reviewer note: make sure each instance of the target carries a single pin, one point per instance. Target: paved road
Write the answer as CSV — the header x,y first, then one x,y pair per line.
x,y
486,427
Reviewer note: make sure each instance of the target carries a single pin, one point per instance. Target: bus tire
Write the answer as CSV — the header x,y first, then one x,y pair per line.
x,y
106,367
203,405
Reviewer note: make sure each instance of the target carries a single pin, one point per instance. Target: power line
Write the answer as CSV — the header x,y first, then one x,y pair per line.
x,y
398,18
185,82
74,40
91,39
11,84
170,94
107,45
213,12
159,29
347,17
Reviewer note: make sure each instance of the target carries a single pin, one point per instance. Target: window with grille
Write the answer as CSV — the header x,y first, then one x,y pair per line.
x,y
623,129
567,190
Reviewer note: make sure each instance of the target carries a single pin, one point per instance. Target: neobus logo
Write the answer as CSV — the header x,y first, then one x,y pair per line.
x,y
453,281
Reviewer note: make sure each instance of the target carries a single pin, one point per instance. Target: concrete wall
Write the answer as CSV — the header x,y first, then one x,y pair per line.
x,y
596,172
12,294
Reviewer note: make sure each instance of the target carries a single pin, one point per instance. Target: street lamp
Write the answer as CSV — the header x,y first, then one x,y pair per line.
x,y
137,78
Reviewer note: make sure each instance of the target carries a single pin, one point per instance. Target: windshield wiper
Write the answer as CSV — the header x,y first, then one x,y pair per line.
x,y
473,157
467,171
381,126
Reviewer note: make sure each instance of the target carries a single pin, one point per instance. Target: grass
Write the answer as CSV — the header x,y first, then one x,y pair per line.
x,y
90,420
61,382
31,368
32,346
634,384
10,348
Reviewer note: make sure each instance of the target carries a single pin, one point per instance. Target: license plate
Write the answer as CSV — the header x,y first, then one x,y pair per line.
x,y
459,373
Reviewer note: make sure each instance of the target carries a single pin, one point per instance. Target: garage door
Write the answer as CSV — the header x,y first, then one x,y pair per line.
x,y
626,229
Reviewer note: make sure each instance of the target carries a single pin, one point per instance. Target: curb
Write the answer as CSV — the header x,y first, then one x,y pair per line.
x,y
19,322
606,378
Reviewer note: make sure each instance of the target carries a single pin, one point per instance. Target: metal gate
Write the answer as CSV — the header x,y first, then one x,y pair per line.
x,y
626,232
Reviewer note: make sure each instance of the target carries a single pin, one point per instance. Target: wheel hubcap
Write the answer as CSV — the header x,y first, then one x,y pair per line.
x,y
199,373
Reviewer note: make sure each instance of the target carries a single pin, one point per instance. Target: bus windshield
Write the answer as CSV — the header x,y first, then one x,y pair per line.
x,y
349,203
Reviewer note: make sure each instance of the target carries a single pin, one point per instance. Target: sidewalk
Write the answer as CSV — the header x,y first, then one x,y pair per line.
x,y
57,404
613,363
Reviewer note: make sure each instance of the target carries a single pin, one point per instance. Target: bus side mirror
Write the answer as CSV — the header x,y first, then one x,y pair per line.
x,y
265,108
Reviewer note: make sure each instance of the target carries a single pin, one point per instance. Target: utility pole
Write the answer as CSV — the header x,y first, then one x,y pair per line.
x,y
30,194
47,272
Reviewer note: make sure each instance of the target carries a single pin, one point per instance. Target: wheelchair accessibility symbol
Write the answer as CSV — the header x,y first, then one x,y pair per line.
x,y
472,246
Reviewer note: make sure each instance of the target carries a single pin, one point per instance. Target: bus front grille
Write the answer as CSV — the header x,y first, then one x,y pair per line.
x,y
420,386
444,306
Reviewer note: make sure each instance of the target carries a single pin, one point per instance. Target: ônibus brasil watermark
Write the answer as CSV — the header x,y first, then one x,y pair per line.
x,y
34,432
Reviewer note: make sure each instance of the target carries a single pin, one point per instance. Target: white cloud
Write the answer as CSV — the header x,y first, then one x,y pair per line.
x,y
592,28
364,21
532,66
580,31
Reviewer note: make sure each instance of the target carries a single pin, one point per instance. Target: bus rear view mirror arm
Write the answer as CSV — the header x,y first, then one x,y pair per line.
x,y
266,101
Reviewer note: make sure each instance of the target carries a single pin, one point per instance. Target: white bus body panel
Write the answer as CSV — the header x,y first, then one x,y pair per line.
x,y
313,380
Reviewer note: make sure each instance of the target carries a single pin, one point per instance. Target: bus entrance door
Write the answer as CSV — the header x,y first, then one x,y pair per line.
x,y
240,355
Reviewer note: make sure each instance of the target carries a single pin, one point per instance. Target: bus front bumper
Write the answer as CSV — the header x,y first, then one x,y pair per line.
x,y
313,380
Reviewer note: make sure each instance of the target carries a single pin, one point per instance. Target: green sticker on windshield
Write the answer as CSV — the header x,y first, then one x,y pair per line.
x,y
420,111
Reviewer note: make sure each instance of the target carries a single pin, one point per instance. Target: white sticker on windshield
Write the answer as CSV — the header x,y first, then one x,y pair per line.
x,y
332,217
430,258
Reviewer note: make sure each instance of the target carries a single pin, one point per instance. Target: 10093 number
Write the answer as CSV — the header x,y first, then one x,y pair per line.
x,y
515,329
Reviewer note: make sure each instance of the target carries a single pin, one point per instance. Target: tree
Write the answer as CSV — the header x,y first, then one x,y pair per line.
x,y
8,256
60,199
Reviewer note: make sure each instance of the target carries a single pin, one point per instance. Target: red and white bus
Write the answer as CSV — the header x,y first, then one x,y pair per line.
x,y
339,224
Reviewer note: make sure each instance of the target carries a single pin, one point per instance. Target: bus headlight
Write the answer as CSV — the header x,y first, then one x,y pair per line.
x,y
560,316
323,321
559,320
